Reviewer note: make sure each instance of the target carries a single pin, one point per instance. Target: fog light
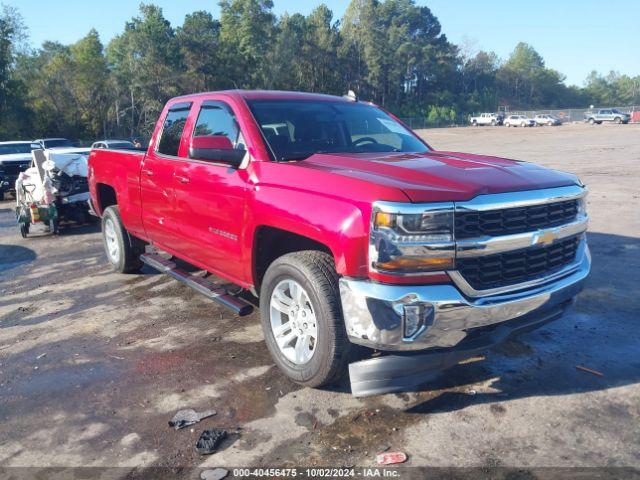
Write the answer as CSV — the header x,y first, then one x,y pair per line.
x,y
416,317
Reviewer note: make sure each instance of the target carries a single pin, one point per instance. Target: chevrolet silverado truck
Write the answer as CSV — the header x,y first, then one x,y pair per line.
x,y
348,228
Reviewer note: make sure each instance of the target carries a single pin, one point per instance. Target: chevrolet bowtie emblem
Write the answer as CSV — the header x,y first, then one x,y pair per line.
x,y
545,238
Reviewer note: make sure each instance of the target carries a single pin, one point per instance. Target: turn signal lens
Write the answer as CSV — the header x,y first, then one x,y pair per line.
x,y
384,219
416,264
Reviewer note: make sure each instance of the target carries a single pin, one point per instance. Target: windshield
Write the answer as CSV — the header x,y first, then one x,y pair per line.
x,y
15,148
58,142
297,129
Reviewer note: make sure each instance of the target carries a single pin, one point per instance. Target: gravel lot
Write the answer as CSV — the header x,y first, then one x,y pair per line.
x,y
93,364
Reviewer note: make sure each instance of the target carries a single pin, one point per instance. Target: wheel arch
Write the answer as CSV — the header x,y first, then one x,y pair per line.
x,y
270,243
105,197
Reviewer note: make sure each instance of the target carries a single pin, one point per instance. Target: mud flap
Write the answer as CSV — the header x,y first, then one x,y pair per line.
x,y
405,372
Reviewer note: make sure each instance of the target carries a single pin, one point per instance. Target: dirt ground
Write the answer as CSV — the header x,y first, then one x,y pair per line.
x,y
93,364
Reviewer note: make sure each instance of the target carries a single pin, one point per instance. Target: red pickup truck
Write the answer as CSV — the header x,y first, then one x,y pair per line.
x,y
348,227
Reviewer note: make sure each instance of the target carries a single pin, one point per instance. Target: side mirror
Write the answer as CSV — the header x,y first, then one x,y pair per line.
x,y
215,148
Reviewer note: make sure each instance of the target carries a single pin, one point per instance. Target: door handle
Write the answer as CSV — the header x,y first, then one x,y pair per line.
x,y
147,172
182,179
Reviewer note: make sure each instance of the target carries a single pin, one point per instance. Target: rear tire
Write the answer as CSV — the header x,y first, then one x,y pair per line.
x,y
24,230
123,250
323,360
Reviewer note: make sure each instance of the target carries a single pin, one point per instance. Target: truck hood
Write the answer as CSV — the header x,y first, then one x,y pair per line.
x,y
441,176
15,158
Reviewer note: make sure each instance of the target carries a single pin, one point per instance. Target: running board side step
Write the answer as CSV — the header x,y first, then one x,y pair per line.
x,y
202,285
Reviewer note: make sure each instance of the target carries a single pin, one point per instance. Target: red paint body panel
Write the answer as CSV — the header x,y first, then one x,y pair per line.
x,y
209,214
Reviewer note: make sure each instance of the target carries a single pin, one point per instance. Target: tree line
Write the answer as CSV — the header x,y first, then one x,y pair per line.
x,y
392,52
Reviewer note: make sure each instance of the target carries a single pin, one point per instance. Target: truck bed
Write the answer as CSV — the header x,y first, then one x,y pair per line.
x,y
120,170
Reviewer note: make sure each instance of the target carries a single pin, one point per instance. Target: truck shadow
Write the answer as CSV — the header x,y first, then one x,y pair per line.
x,y
12,256
600,333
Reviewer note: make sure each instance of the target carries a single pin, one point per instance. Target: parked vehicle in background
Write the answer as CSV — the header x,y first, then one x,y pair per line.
x,y
53,188
546,119
348,227
518,121
113,144
15,157
607,115
487,119
47,143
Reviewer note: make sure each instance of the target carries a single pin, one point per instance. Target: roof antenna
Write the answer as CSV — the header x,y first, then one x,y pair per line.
x,y
351,96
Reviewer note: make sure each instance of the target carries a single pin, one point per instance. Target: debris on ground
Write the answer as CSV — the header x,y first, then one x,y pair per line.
x,y
41,356
210,440
589,370
391,458
214,474
184,418
478,358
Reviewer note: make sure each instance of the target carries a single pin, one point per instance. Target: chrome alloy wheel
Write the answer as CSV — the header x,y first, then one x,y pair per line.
x,y
293,322
111,241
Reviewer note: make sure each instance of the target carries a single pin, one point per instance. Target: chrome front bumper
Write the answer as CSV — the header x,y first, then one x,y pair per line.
x,y
374,312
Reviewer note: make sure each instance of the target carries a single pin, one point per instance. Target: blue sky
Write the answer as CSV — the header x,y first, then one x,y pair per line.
x,y
573,36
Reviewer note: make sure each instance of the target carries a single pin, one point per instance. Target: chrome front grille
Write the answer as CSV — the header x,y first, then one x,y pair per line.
x,y
517,266
511,241
514,220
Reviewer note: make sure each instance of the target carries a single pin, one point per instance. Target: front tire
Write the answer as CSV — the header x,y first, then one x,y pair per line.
x,y
123,250
302,320
592,121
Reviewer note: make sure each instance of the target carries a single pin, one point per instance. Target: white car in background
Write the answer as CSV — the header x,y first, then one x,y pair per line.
x,y
545,119
114,144
518,121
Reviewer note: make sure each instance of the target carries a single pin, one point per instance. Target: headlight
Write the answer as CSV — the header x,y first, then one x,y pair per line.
x,y
411,239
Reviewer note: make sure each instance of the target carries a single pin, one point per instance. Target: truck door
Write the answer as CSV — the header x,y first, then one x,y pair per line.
x,y
210,197
157,178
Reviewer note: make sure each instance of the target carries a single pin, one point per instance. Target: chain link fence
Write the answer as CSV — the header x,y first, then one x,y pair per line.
x,y
565,115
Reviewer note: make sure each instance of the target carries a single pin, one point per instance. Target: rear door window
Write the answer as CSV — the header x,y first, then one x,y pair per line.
x,y
172,129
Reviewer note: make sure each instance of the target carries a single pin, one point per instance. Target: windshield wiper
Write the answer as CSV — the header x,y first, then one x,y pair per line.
x,y
291,158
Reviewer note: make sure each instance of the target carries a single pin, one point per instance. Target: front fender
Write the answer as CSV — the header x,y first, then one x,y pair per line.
x,y
341,225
